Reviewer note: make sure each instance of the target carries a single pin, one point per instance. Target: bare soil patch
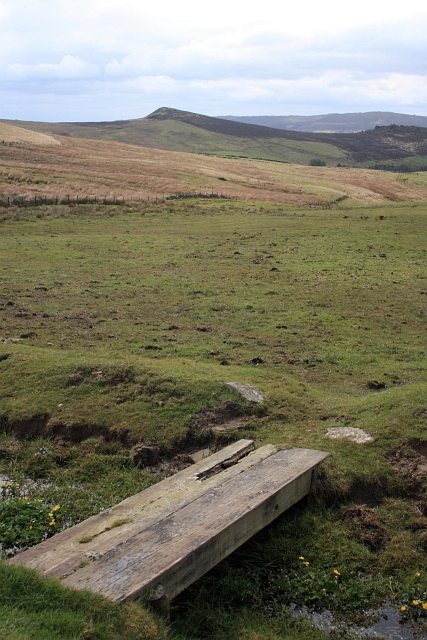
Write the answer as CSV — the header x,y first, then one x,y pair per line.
x,y
42,426
411,461
366,525
228,415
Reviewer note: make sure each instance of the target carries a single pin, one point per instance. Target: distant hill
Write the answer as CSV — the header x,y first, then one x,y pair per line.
x,y
175,130
334,122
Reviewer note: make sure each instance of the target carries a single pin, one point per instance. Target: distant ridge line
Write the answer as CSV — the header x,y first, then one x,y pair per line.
x,y
333,122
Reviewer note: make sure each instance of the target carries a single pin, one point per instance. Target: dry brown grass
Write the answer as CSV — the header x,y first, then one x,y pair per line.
x,y
96,168
9,133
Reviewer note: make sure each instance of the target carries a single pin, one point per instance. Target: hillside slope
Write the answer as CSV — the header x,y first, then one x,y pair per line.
x,y
383,143
88,168
177,130
173,130
10,133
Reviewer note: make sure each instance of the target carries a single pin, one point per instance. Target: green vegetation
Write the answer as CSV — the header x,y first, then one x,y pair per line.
x,y
118,327
34,608
24,522
180,136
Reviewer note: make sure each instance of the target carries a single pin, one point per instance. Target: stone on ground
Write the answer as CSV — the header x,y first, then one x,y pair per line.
x,y
350,433
247,391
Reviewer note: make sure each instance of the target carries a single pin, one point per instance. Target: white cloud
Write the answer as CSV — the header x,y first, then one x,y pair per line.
x,y
69,68
128,56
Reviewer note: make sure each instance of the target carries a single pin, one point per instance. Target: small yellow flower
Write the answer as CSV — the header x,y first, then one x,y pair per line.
x,y
25,498
337,573
403,608
56,507
415,602
31,526
16,485
39,500
51,523
418,574
50,514
306,564
301,558
424,605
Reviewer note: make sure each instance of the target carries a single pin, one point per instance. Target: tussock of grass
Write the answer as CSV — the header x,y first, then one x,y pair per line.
x,y
36,608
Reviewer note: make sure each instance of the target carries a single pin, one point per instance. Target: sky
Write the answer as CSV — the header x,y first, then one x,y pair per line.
x,y
89,60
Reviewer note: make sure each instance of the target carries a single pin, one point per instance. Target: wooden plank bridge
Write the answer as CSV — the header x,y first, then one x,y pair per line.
x,y
161,540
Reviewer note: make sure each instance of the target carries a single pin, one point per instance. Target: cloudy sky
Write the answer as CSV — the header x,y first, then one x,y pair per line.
x,y
78,60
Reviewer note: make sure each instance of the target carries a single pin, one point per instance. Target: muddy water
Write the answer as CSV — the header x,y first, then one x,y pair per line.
x,y
387,626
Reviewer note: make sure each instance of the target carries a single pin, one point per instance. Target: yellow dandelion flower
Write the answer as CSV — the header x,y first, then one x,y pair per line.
x,y
403,608
51,523
424,605
39,500
337,573
56,507
306,564
415,602
301,558
50,514
418,574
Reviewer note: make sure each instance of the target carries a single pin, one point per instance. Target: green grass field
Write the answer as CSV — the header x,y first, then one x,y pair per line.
x,y
118,325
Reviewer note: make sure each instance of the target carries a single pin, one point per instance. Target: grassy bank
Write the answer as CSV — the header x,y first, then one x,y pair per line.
x,y
38,609
118,327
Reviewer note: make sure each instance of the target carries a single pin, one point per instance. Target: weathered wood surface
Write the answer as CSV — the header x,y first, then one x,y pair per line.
x,y
181,547
66,551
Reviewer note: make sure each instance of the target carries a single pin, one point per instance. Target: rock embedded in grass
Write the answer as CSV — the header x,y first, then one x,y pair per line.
x,y
350,433
247,391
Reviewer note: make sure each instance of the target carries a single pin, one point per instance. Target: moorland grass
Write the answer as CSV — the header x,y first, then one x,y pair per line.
x,y
119,327
36,608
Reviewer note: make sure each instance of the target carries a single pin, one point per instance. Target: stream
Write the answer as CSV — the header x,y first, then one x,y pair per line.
x,y
387,625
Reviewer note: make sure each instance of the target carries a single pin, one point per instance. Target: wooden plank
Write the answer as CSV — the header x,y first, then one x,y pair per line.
x,y
85,542
183,546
